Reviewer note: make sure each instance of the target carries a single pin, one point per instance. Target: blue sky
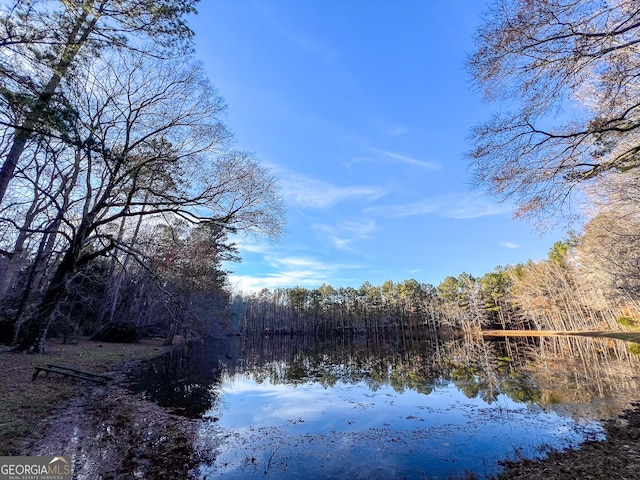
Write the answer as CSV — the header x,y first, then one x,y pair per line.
x,y
362,109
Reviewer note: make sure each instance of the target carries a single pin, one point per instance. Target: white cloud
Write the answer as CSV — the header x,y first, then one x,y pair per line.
x,y
474,207
346,232
397,130
288,271
249,283
457,206
312,193
297,263
510,245
409,160
422,207
245,246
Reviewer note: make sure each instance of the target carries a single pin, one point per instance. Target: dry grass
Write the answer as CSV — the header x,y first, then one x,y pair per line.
x,y
25,403
628,336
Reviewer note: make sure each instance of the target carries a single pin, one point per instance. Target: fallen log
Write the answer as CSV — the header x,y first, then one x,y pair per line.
x,y
71,372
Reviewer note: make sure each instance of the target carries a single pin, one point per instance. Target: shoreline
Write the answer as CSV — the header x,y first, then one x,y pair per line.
x,y
626,336
107,430
615,457
112,433
25,404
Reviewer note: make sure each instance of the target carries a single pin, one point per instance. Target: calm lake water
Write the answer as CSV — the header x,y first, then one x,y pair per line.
x,y
396,407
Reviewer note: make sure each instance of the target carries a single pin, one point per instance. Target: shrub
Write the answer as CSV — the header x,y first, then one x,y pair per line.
x,y
627,321
634,348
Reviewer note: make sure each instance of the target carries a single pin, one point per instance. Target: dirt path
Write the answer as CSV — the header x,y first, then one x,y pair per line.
x,y
112,434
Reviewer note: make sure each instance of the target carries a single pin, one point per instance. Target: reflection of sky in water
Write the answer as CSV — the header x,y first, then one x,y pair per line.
x,y
350,431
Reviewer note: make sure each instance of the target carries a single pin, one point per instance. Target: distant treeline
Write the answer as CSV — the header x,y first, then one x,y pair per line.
x,y
552,294
325,309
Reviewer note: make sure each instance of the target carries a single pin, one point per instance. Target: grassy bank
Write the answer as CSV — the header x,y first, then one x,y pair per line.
x,y
25,403
627,336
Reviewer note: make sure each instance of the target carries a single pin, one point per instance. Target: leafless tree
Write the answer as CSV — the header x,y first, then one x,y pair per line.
x,y
566,72
607,252
44,41
151,147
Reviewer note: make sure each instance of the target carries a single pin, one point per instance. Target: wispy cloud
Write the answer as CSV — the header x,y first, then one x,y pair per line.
x,y
343,234
388,128
510,245
250,283
397,130
245,245
458,206
408,160
312,193
288,271
303,41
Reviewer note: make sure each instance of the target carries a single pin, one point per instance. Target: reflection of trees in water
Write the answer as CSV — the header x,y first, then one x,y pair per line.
x,y
589,377
594,376
402,362
181,379
584,371
479,367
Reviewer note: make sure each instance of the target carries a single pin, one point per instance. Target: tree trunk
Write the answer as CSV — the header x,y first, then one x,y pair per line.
x,y
170,334
24,132
36,328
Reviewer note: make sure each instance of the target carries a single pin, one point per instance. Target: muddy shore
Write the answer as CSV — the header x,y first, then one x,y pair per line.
x,y
109,432
617,457
112,433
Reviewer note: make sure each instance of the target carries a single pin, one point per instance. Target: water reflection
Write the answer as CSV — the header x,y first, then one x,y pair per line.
x,y
180,380
351,431
425,406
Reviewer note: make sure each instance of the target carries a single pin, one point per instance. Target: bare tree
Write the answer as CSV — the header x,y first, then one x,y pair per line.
x,y
567,72
152,147
44,40
607,254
